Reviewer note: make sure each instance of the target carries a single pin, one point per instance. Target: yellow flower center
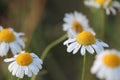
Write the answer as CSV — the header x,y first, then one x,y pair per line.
x,y
102,2
6,35
77,27
111,60
86,38
24,59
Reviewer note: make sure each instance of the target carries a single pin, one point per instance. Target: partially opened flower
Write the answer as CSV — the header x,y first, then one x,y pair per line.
x,y
75,23
24,64
107,65
108,5
85,41
10,41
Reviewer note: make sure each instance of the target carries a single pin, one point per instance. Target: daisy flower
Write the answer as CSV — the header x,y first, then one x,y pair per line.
x,y
107,65
75,23
24,63
85,41
108,5
10,40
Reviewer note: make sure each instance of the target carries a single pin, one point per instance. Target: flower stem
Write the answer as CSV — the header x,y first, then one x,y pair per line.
x,y
47,49
83,68
33,77
102,24
18,78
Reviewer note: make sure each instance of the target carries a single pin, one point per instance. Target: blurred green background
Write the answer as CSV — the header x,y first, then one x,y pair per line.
x,y
42,20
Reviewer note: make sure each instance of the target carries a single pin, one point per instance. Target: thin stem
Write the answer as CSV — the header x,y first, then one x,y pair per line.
x,y
83,68
33,77
47,49
102,24
18,78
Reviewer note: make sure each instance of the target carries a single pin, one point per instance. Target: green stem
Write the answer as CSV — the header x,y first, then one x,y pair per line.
x,y
83,68
102,24
18,78
47,49
33,77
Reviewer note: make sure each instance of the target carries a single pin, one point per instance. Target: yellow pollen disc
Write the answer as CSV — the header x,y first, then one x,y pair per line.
x,y
6,35
86,38
102,2
111,60
24,59
77,26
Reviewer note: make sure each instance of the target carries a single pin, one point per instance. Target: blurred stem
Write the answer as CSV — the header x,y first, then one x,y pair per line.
x,y
102,24
33,77
47,49
83,68
18,78
54,43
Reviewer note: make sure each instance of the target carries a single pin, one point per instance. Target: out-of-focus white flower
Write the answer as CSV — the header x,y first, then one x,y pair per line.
x,y
85,41
75,23
24,64
10,40
108,5
107,65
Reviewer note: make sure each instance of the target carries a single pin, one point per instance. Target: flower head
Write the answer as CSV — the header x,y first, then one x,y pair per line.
x,y
24,63
85,41
75,23
108,5
10,40
107,65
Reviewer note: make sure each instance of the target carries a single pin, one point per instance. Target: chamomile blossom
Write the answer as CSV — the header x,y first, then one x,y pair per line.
x,y
10,41
85,41
24,63
108,5
75,23
107,65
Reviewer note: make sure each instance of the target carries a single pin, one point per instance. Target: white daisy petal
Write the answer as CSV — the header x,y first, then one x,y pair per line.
x,y
68,41
32,68
108,11
38,63
20,42
90,49
34,55
77,47
22,72
97,49
11,66
15,48
29,72
20,34
4,47
96,65
15,69
116,4
9,59
100,46
83,50
71,47
1,28
18,73
113,10
104,44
